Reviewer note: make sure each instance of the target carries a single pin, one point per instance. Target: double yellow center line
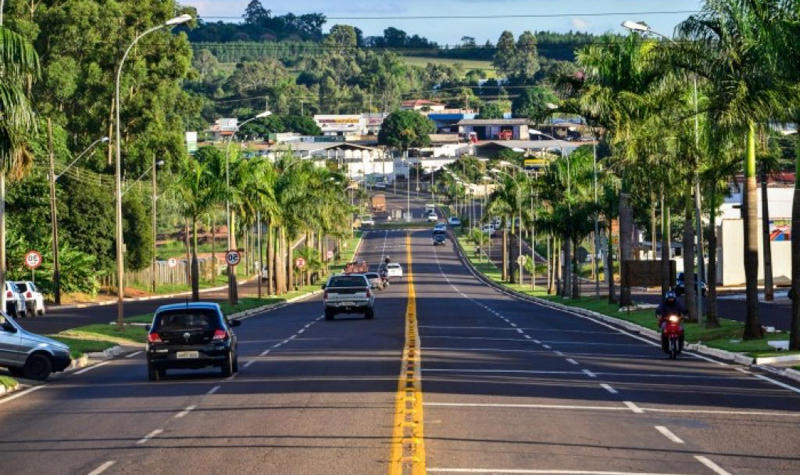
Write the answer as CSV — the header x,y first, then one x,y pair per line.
x,y
408,442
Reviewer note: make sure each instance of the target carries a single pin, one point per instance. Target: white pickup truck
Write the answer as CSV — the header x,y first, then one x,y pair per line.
x,y
348,293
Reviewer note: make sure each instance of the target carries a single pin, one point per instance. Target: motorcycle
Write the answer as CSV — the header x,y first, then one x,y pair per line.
x,y
672,339
384,274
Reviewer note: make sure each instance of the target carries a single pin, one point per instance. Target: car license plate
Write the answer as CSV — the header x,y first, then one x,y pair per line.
x,y
347,304
187,355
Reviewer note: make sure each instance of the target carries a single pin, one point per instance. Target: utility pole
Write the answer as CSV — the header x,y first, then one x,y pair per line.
x,y
155,231
53,215
260,253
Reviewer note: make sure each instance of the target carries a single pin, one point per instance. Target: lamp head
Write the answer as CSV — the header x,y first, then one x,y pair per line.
x,y
639,26
179,20
160,163
104,139
264,114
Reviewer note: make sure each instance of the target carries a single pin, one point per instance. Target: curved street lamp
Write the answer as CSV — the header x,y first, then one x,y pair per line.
x,y
118,166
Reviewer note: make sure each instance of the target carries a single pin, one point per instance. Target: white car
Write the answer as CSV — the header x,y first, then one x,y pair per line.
x,y
367,221
34,299
14,301
393,269
432,218
454,221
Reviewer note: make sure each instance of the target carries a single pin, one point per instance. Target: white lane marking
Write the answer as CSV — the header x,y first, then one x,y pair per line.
x,y
669,434
742,370
571,361
264,353
527,336
537,342
633,407
214,389
301,331
708,463
589,373
21,393
777,383
536,471
510,323
89,368
135,353
185,412
149,436
519,330
558,353
547,347
103,467
721,412
526,406
609,388
249,363
498,371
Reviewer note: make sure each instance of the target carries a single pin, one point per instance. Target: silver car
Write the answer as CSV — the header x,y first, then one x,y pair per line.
x,y
28,354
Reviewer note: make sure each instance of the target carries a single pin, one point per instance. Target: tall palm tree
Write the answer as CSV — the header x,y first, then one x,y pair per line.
x,y
19,64
732,44
502,204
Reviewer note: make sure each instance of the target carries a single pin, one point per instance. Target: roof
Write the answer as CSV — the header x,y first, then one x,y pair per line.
x,y
494,122
187,304
529,144
421,103
315,146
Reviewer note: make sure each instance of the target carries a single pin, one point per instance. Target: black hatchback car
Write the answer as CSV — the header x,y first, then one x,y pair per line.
x,y
191,336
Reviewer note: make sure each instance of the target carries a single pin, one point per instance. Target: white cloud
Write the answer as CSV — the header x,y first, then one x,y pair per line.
x,y
579,24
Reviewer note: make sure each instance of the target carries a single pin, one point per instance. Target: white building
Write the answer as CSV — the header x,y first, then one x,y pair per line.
x,y
353,125
356,161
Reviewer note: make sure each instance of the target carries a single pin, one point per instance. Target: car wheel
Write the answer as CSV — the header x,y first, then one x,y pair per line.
x,y
153,373
227,366
329,314
18,372
41,312
369,314
236,364
38,367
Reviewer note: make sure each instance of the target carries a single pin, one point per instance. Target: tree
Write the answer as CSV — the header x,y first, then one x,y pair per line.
x,y
526,61
505,58
255,14
406,129
532,103
341,39
136,232
491,110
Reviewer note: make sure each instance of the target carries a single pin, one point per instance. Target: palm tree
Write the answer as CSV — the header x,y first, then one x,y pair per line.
x,y
200,188
502,204
732,44
19,64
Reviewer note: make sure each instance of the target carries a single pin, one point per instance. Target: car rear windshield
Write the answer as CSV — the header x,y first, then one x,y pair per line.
x,y
191,318
347,281
372,275
394,266
23,287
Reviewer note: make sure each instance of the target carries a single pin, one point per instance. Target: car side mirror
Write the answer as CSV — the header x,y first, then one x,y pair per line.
x,y
236,323
147,327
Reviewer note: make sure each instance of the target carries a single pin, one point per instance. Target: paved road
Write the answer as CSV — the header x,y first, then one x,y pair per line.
x,y
508,387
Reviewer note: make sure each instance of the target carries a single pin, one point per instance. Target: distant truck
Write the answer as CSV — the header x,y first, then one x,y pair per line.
x,y
378,203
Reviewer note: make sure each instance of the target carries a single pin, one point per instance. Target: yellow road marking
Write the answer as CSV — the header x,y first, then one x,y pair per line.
x,y
408,442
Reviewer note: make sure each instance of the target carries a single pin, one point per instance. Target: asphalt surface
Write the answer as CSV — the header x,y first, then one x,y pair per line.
x,y
508,387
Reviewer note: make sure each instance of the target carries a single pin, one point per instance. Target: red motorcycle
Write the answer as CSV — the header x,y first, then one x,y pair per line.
x,y
672,342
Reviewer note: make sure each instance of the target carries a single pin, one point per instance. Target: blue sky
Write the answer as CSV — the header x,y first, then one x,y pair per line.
x,y
450,31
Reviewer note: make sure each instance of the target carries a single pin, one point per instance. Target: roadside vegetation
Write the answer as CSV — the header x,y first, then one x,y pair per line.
x,y
8,382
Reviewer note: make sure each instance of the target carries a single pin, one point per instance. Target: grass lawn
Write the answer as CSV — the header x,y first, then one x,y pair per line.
x,y
8,382
726,337
467,64
78,347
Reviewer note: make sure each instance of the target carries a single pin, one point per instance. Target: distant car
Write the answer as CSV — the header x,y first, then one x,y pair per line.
x,y
439,239
379,185
454,221
393,269
375,281
191,335
488,229
264,274
30,355
432,217
367,221
34,300
440,227
15,301
680,286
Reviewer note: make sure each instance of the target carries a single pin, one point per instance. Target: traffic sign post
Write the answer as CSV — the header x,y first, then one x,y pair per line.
x,y
33,260
233,257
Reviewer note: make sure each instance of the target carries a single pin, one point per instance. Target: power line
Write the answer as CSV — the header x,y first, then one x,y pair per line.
x,y
483,17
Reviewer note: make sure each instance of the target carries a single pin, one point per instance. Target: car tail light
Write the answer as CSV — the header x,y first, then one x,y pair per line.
x,y
369,294
153,337
220,335
8,294
29,295
325,295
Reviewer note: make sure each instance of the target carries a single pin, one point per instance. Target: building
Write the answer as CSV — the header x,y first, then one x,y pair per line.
x,y
223,128
447,120
356,161
353,125
529,148
494,129
422,105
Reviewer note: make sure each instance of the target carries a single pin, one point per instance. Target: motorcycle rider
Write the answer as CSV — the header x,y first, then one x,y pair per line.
x,y
670,306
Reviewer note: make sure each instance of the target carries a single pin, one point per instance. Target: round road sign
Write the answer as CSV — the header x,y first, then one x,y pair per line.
x,y
233,258
521,260
33,260
299,262
172,262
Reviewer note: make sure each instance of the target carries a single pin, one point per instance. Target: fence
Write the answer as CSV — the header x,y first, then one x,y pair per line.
x,y
166,275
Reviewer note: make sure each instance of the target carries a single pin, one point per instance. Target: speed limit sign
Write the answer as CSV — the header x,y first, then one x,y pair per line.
x,y
300,263
33,260
233,257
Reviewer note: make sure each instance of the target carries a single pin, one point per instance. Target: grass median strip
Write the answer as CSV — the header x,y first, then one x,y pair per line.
x,y
726,337
8,383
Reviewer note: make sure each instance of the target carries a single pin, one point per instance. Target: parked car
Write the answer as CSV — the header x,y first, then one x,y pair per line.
x,y
34,300
30,355
367,221
680,287
454,221
348,293
394,269
15,301
191,335
375,281
264,274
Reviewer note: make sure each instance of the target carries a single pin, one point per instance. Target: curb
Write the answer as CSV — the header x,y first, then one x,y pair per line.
x,y
631,327
5,390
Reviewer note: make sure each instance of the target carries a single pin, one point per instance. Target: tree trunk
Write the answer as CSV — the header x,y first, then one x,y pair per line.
x,y
213,249
767,248
794,336
626,247
666,278
566,266
653,249
270,259
279,268
688,261
576,286
232,285
195,264
550,265
712,321
188,246
505,253
752,327
612,297
557,266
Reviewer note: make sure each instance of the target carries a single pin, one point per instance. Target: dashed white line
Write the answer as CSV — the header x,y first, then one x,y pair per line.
x,y
633,407
519,330
89,368
249,363
135,353
301,331
547,347
558,353
571,361
103,467
185,412
589,373
149,436
708,463
777,383
527,336
609,388
537,342
669,435
214,389
264,353
512,324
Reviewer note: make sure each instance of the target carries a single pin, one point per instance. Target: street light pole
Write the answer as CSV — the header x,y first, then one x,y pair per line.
x,y
154,197
118,167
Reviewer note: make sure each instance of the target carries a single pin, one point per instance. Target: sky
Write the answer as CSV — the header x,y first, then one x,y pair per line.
x,y
579,15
